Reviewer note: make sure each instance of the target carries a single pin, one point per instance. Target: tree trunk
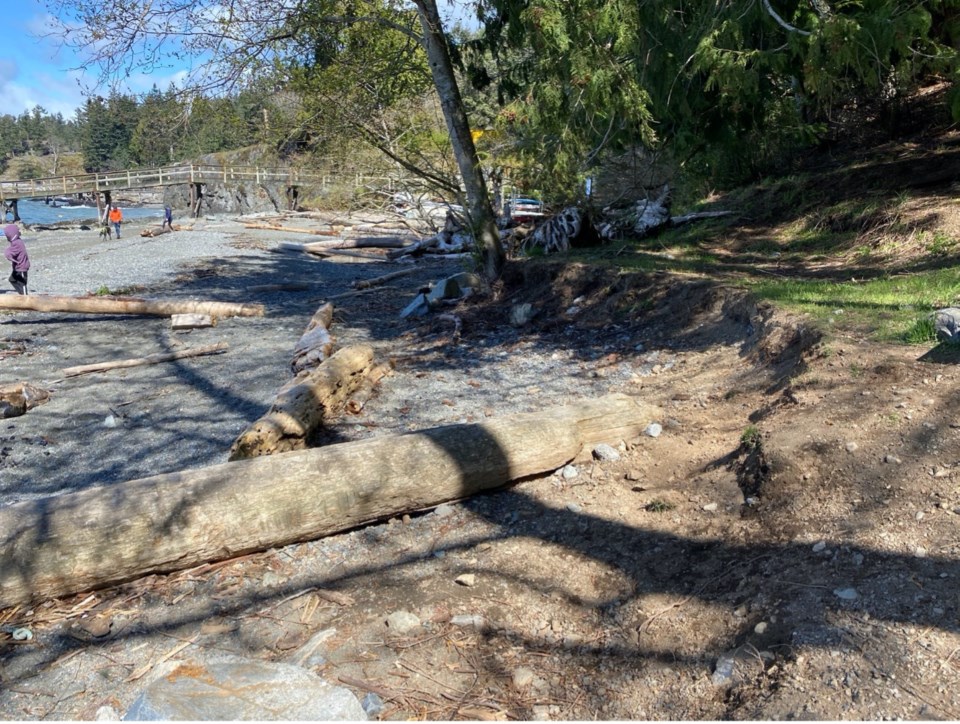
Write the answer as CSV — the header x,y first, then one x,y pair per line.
x,y
483,221
303,405
115,305
315,344
105,535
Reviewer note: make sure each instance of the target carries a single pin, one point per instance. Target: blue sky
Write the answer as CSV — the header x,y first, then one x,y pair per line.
x,y
36,71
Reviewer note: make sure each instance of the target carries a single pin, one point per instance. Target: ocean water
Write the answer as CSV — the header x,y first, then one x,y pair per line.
x,y
35,211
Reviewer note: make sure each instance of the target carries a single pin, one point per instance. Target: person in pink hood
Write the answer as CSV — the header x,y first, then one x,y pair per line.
x,y
17,253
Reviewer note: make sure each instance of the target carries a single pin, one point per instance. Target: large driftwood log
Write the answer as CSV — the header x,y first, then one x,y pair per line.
x,y
302,405
105,535
126,305
151,359
272,227
364,242
316,344
18,397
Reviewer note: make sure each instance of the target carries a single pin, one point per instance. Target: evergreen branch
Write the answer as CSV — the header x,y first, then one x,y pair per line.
x,y
781,22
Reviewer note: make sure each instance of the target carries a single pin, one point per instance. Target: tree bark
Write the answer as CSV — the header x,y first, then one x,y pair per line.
x,y
302,406
105,535
315,344
126,305
151,359
483,221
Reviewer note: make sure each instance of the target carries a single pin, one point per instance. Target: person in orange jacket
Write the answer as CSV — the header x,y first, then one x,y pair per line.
x,y
116,218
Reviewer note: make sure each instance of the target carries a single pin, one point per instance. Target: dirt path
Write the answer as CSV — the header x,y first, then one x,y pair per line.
x,y
786,548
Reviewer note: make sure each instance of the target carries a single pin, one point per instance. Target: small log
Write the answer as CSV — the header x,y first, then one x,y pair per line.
x,y
151,359
106,535
126,305
303,405
19,397
377,281
271,227
191,321
316,344
149,233
415,247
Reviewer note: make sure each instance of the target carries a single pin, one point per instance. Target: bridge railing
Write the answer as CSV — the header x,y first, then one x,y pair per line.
x,y
143,178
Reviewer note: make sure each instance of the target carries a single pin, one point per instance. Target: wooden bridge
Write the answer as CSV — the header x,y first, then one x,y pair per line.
x,y
195,175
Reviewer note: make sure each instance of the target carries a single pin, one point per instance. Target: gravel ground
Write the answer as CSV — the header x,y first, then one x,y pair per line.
x,y
129,423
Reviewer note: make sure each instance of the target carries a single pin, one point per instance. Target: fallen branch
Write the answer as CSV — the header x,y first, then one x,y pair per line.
x,y
696,216
377,281
342,252
126,305
105,535
421,245
368,242
151,359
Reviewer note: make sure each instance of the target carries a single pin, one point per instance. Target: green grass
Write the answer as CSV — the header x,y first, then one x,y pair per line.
x,y
885,308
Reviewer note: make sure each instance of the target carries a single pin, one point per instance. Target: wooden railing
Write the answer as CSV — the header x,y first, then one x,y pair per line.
x,y
167,176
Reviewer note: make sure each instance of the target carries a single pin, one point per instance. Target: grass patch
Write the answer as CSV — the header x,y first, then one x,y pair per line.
x,y
658,506
885,308
922,331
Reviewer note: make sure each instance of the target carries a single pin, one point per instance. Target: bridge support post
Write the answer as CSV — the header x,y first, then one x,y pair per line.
x,y
196,197
10,207
293,197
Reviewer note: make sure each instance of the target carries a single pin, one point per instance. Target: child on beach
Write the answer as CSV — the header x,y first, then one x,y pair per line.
x,y
17,254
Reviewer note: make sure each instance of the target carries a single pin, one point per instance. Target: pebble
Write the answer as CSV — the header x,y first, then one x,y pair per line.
x,y
443,511
892,459
606,453
710,507
569,472
846,594
466,579
107,713
760,628
403,621
110,421
653,430
819,547
468,620
852,447
522,678
574,508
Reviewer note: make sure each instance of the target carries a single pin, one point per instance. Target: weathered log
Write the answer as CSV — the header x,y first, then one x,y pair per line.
x,y
287,287
191,321
376,281
413,248
271,227
367,242
126,305
316,251
18,397
106,535
316,344
149,233
302,405
150,359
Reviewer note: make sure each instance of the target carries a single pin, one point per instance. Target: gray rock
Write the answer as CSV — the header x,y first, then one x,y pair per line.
x,y
468,620
402,622
606,453
852,447
466,579
521,314
443,511
107,713
569,472
454,287
733,667
653,429
947,324
372,705
846,594
417,308
522,678
710,507
242,689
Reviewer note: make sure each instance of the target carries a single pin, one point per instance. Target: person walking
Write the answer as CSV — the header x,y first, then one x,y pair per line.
x,y
116,218
17,254
167,218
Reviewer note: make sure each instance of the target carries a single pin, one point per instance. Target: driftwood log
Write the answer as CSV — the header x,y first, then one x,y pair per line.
x,y
151,359
316,344
377,281
302,405
191,321
18,397
294,229
105,535
365,242
126,305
